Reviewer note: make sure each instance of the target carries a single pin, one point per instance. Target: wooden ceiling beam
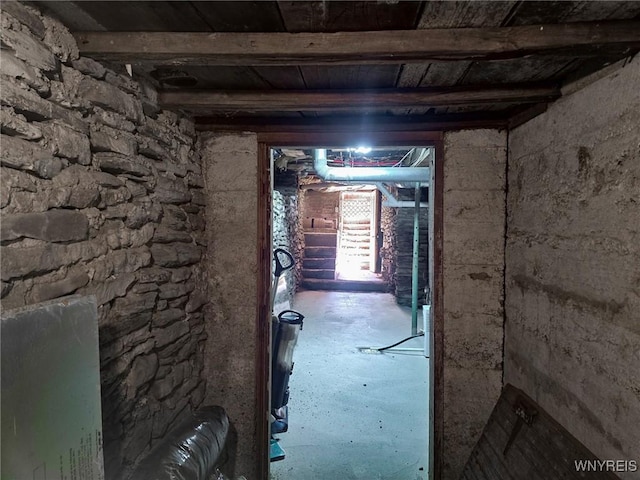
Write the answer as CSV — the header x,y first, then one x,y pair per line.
x,y
350,100
354,48
363,124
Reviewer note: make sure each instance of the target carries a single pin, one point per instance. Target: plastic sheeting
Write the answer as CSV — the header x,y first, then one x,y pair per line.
x,y
51,420
192,451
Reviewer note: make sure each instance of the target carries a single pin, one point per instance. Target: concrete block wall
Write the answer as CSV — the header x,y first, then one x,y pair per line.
x,y
473,267
101,194
573,263
231,174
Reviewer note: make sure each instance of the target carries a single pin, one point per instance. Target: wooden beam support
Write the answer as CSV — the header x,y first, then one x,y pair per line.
x,y
358,125
350,100
357,48
526,114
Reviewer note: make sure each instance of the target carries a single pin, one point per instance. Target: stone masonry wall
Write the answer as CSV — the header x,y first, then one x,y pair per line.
x,y
285,234
473,276
101,194
403,251
573,263
387,250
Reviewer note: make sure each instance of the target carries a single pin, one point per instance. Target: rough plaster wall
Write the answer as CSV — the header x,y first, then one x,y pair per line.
x,y
101,194
573,263
473,265
231,176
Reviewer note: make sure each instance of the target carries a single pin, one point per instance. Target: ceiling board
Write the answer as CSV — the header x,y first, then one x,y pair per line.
x,y
531,69
282,77
348,16
358,71
241,16
446,14
228,78
145,16
450,14
442,74
534,12
356,76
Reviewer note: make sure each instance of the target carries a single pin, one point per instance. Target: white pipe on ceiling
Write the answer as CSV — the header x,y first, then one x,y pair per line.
x,y
366,174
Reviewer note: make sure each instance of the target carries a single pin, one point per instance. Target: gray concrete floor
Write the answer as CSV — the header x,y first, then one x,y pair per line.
x,y
354,415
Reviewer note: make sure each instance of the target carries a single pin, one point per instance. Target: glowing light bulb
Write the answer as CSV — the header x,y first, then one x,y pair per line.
x,y
363,150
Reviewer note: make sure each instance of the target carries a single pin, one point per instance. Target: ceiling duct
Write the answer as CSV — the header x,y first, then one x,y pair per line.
x,y
367,174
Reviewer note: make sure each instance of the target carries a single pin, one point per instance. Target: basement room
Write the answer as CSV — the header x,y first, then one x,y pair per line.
x,y
320,240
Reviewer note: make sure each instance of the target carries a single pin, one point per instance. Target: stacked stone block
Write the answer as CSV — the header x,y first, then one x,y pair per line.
x,y
102,194
387,251
397,249
286,234
403,251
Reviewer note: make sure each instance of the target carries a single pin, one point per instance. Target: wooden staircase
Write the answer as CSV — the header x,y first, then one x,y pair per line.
x,y
319,264
319,255
355,242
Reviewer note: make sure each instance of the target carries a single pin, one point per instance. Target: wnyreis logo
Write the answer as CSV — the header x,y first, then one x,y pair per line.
x,y
606,465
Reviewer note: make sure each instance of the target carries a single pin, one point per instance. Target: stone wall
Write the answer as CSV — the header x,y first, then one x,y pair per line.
x,y
573,263
285,233
102,195
321,209
387,250
231,174
473,276
403,251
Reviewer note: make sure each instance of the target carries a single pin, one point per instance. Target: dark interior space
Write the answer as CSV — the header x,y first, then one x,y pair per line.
x,y
147,148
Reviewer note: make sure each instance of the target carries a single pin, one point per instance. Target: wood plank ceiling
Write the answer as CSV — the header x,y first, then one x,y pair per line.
x,y
325,89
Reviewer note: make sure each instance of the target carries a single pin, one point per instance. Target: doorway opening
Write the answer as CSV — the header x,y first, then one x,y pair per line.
x,y
340,236
358,232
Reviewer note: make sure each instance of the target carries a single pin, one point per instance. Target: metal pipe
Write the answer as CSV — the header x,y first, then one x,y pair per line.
x,y
391,201
366,174
414,267
408,349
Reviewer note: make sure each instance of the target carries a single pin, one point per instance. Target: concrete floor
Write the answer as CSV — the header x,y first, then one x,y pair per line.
x,y
354,415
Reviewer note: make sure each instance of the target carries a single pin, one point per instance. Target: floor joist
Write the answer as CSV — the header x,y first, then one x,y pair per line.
x,y
348,101
353,48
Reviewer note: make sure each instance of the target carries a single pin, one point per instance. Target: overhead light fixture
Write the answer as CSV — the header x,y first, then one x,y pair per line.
x,y
361,149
